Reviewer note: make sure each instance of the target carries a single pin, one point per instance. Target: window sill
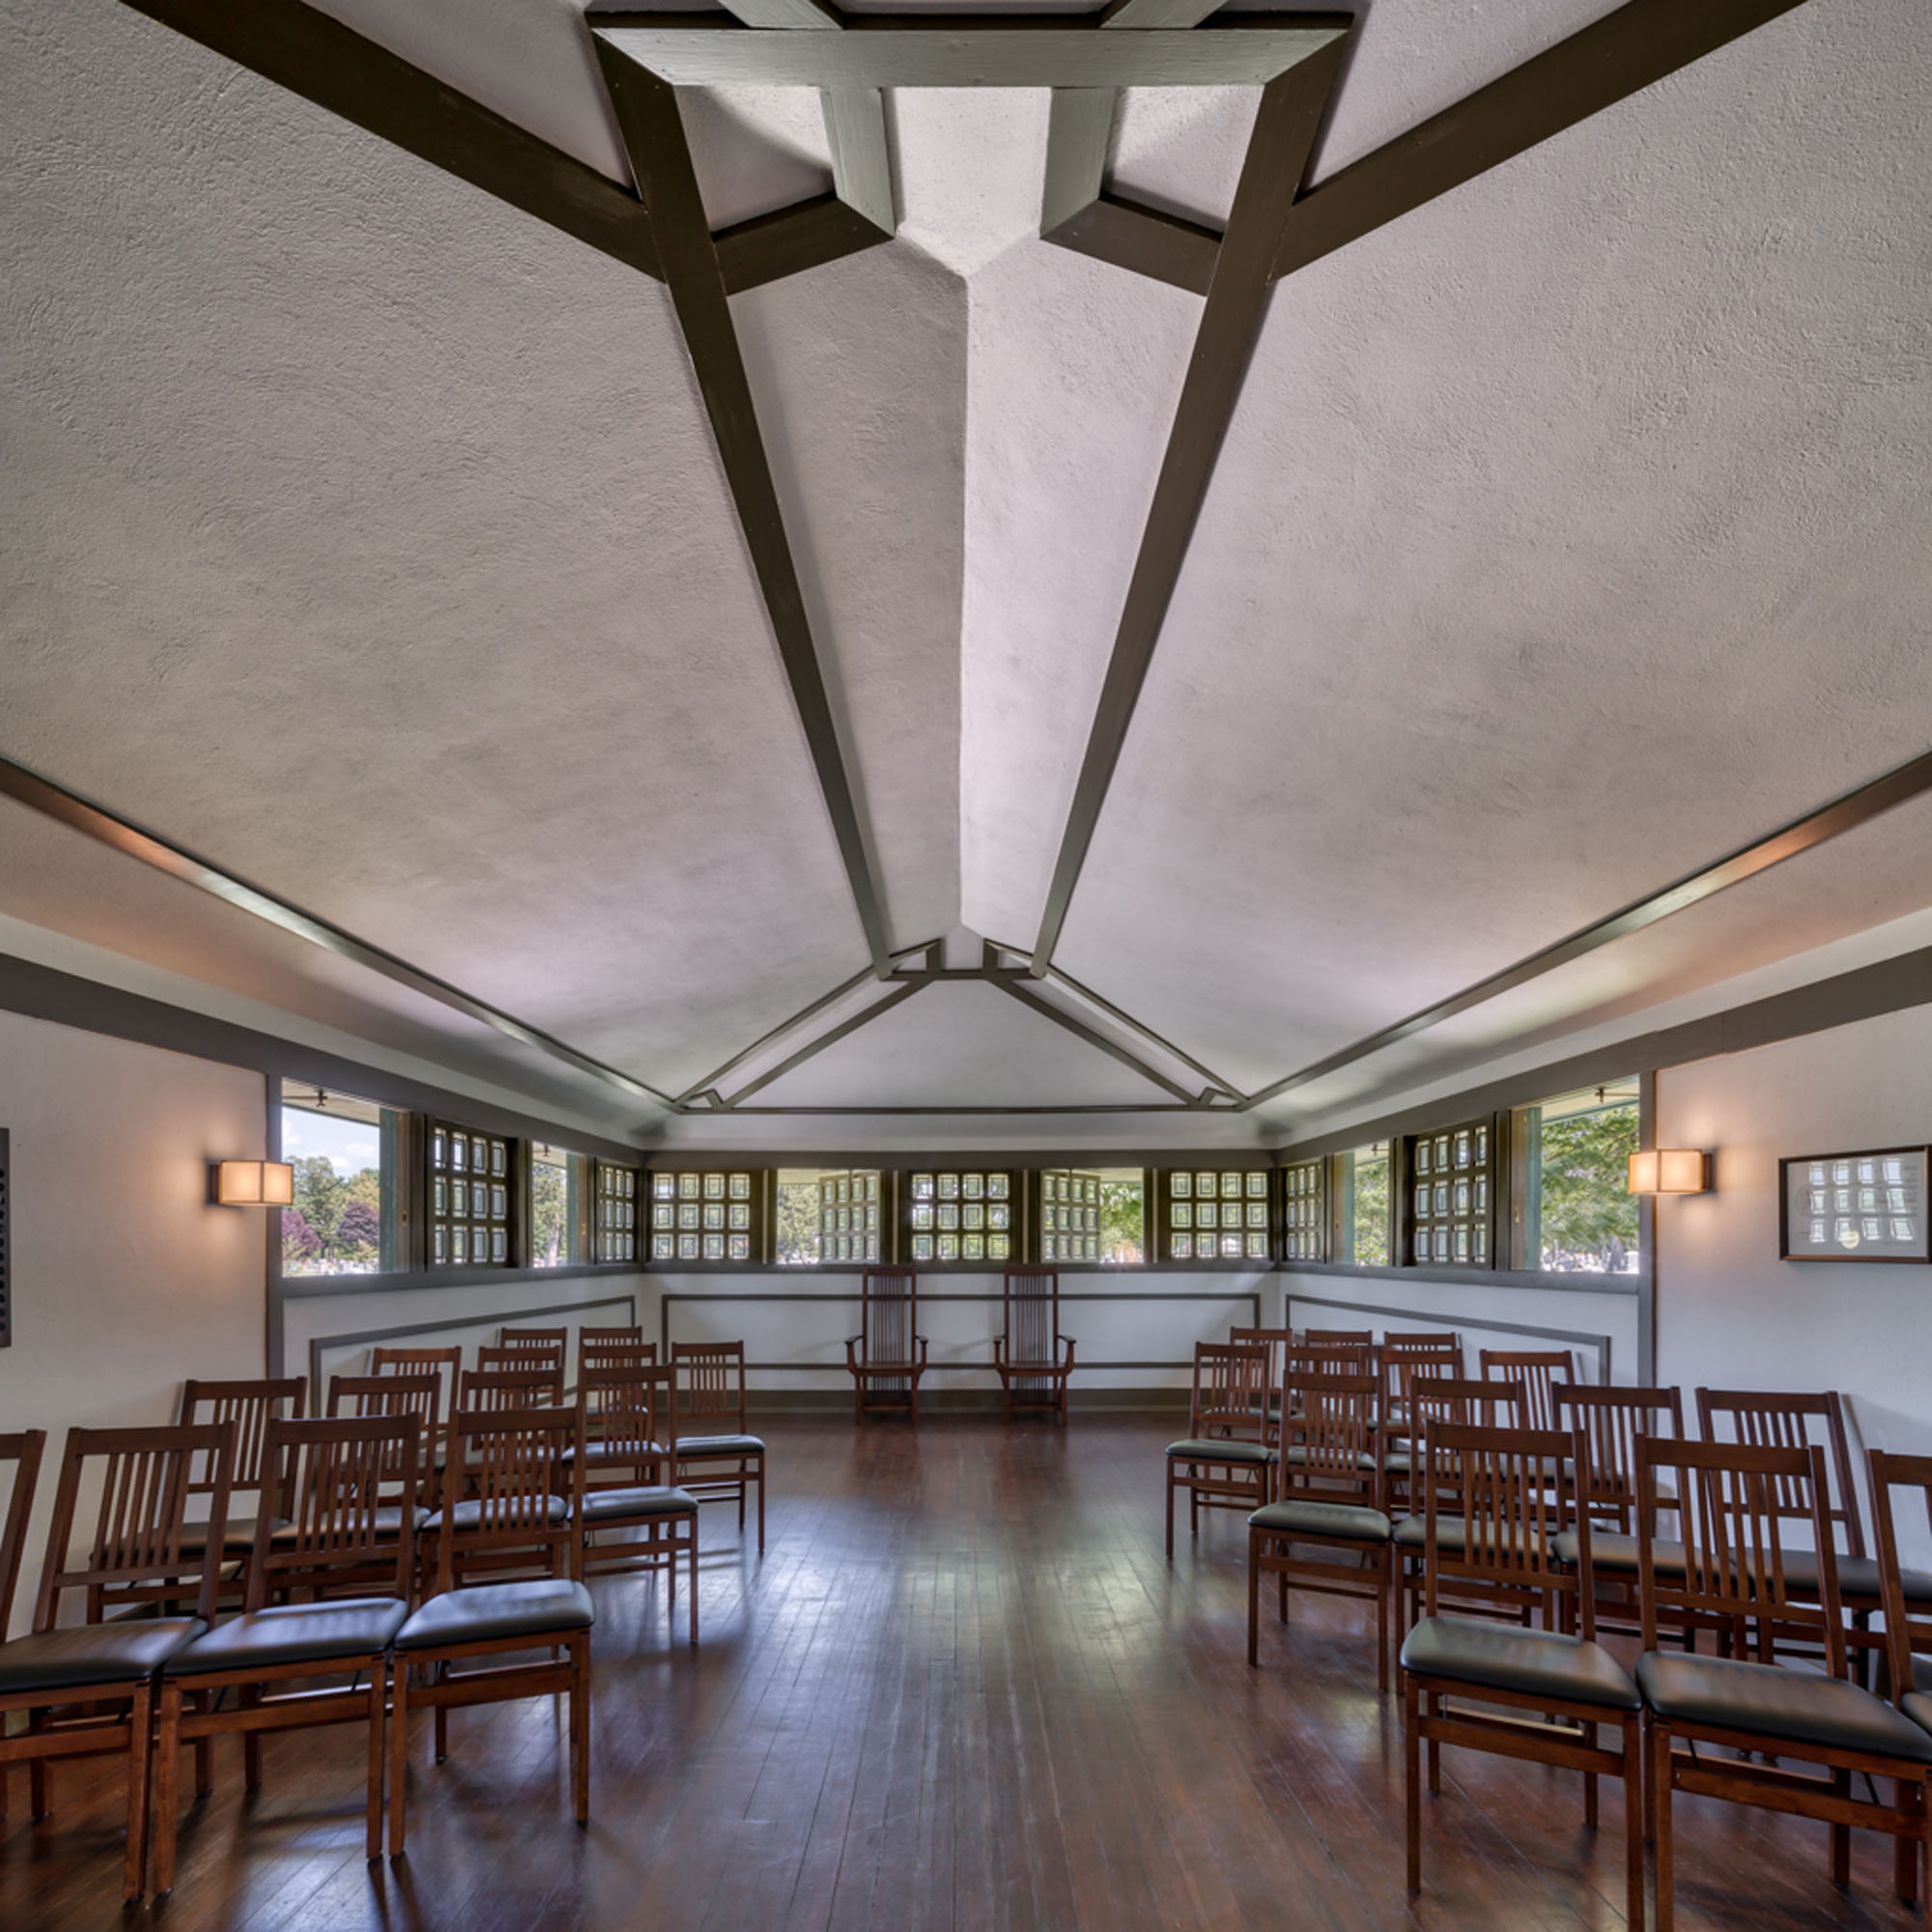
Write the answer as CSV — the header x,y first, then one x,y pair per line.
x,y
1474,1277
309,1286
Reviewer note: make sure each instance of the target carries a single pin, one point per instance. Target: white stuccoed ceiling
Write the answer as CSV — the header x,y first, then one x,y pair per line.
x,y
368,537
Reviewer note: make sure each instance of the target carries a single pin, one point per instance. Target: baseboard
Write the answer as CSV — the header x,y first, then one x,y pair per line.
x,y
968,1401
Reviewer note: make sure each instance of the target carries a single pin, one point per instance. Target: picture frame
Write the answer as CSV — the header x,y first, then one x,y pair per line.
x,y
1869,1205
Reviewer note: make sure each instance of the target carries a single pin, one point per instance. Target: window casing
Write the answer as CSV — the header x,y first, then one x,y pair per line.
x,y
961,1214
471,1197
1219,1216
851,1212
349,1214
1304,1213
558,1186
1571,1208
1361,1217
616,1218
1450,1183
1070,1215
705,1216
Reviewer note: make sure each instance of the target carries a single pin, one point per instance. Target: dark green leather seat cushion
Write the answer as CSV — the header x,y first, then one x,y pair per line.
x,y
89,1653
1296,1454
388,1522
1297,1516
719,1445
607,1505
507,1612
1538,1663
1412,1532
1858,1577
1196,1450
620,1454
1771,1701
1615,1554
1918,1706
283,1633
468,1513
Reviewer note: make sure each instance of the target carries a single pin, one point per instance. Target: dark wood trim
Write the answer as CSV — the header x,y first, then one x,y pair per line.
x,y
1841,815
1146,241
1081,1030
1865,992
681,1158
862,154
1619,55
973,51
1449,1318
1126,1019
1284,127
783,13
900,992
150,848
790,240
408,1281
653,133
1142,14
311,54
1622,1286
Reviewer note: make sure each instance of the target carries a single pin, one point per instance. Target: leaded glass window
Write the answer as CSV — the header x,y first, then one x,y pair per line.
x,y
966,1215
699,1216
1449,1182
469,1197
1214,1214
616,1212
1070,1216
1304,1218
850,1207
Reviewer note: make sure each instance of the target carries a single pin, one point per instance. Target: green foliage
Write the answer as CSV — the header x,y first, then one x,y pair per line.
x,y
1122,1221
1588,1217
798,1221
335,1224
550,1214
1371,1221
320,1193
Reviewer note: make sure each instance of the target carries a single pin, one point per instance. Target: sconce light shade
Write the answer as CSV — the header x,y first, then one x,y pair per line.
x,y
254,1183
1670,1171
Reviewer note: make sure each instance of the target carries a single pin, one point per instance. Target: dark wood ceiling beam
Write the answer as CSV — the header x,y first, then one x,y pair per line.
x,y
787,241
902,990
653,133
1144,240
1095,1038
1842,814
317,57
1283,132
783,15
1626,51
938,50
862,159
1142,14
122,834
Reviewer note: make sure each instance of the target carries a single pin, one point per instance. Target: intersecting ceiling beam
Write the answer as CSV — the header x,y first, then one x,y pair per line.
x,y
1144,240
1843,813
902,990
654,138
150,848
807,234
933,50
1080,1030
1285,126
862,162
319,58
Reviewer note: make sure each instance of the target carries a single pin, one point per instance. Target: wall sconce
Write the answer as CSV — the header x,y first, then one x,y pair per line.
x,y
252,1183
1670,1171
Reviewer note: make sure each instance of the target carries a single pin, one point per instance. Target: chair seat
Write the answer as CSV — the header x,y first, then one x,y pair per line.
x,y
1918,1706
609,1505
469,1515
1772,1701
285,1633
1303,1517
84,1654
1411,1533
1615,1554
719,1445
1858,1577
387,1521
1296,1455
1198,1450
1532,1663
512,1613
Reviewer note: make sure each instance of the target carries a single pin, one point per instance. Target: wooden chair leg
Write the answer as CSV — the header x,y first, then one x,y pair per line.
x,y
140,1756
1254,1592
580,1715
1169,1559
1909,1798
399,1754
38,1799
761,1507
442,1716
1633,1782
372,1835
203,1751
693,1578
251,1747
1382,1631
167,1790
1589,1782
1658,1784
1411,1739
1841,1834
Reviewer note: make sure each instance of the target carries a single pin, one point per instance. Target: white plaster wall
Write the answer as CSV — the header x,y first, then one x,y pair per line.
x,y
1730,1314
1466,1307
125,1280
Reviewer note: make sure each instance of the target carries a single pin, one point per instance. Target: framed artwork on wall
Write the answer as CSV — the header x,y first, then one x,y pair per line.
x,y
1864,1207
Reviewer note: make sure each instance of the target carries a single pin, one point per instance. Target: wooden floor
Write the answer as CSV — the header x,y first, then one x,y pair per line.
x,y
961,1689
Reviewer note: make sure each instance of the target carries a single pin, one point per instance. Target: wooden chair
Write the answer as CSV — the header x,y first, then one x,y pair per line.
x,y
1031,1358
548,1341
1907,1614
1737,1499
1222,1461
628,1516
1490,1489
249,1406
1794,1419
88,1690
1403,1371
1277,1342
419,1397
446,1364
23,1450
530,1385
523,1457
714,1457
613,1349
339,1532
1328,1499
891,1352
1337,1338
1541,1371
493,1360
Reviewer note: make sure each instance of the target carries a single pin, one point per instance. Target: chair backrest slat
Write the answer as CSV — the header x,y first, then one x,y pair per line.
x,y
707,1387
626,1413
1327,1429
249,1406
1789,1419
1230,1388
538,1385
889,1314
346,1488
517,1460
1495,1480
1611,1421
23,1449
1031,1313
1540,1370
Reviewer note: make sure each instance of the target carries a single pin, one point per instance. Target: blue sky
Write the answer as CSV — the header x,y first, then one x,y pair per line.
x,y
351,1146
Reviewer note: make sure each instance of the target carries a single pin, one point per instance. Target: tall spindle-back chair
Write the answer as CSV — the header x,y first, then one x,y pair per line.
x,y
249,1406
1223,1462
1739,1506
344,1553
88,1690
1031,1358
887,1357
1327,1505
1490,1517
714,1455
1542,1372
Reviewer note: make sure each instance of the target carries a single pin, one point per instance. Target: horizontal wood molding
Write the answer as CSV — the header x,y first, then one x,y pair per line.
x,y
1451,1318
1144,240
790,240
